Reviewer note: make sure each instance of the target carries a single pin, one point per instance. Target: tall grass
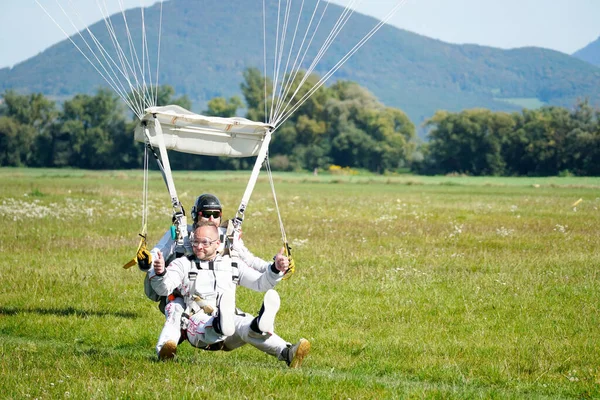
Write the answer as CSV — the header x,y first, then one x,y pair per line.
x,y
407,287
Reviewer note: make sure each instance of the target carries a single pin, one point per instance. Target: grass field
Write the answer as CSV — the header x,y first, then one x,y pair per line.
x,y
407,287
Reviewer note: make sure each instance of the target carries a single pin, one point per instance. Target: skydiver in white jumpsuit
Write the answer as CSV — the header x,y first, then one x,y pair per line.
x,y
207,282
207,208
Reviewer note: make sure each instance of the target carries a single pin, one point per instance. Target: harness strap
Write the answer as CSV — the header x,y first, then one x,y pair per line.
x,y
235,274
195,304
210,265
260,158
179,218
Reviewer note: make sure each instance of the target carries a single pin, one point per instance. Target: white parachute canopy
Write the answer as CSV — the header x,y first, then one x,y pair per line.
x,y
192,133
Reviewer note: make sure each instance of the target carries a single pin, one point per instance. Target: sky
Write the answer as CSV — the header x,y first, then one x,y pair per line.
x,y
562,25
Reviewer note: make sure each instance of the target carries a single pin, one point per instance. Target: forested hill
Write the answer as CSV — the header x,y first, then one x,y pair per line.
x,y
206,46
590,53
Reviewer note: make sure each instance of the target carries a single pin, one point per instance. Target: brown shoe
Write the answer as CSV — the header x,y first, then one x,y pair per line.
x,y
167,351
296,353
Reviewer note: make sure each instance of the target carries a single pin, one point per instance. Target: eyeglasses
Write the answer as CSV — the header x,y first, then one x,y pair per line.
x,y
204,242
210,213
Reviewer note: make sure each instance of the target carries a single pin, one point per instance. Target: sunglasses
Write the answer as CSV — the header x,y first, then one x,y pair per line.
x,y
204,242
210,213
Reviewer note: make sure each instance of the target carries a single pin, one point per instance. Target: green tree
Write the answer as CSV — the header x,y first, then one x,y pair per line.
x,y
16,141
165,96
582,142
34,109
89,126
256,89
467,142
542,136
221,107
366,134
30,120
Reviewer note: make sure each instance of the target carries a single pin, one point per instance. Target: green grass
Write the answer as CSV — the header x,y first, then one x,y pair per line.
x,y
407,287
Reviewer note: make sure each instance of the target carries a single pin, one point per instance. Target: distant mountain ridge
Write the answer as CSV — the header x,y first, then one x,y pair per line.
x,y
590,53
206,46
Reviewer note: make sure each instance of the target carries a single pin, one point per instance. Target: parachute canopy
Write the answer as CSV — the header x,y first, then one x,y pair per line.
x,y
187,132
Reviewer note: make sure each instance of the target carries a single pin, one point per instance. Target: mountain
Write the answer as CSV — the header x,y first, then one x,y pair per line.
x,y
590,53
206,45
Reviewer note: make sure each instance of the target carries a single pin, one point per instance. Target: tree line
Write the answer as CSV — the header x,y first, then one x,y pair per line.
x,y
342,125
548,141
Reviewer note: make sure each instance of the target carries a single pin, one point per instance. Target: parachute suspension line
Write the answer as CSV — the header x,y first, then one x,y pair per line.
x,y
140,94
340,23
356,47
145,60
158,54
337,28
145,54
297,62
269,173
147,97
142,252
141,88
287,249
136,106
119,54
275,58
285,75
264,57
284,31
133,97
110,81
125,71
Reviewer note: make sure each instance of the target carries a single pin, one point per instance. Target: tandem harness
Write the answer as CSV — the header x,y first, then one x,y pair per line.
x,y
195,303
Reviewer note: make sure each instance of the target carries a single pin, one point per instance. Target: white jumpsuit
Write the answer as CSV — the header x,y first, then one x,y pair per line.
x,y
209,280
174,309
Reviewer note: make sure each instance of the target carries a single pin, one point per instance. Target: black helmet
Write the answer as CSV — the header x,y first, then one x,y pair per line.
x,y
205,202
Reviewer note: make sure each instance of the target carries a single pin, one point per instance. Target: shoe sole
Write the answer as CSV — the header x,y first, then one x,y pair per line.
x,y
303,350
167,351
226,314
271,303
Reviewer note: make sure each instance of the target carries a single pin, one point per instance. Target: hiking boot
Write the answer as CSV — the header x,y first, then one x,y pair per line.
x,y
268,311
167,351
226,323
294,355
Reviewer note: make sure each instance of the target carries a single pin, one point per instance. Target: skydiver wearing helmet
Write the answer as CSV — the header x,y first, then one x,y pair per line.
x,y
207,209
207,281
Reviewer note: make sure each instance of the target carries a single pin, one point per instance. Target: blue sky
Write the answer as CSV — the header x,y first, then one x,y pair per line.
x,y
563,25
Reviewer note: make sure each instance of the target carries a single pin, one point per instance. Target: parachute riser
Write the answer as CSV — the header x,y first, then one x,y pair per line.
x,y
179,231
260,159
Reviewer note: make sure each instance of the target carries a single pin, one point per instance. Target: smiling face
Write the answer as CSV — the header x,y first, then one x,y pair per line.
x,y
206,241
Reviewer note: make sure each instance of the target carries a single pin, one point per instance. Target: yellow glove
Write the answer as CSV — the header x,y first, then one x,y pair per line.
x,y
143,258
292,268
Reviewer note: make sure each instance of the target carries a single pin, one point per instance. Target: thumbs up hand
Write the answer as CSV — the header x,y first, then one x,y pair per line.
x,y
159,264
